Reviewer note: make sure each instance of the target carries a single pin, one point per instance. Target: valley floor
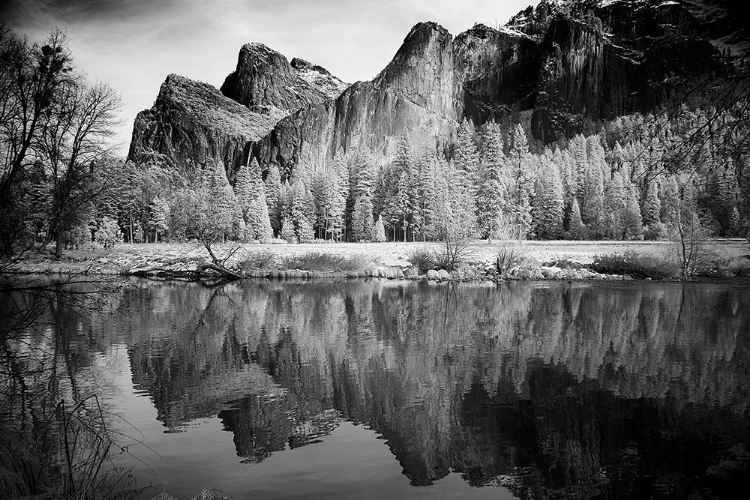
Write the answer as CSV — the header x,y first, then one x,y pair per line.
x,y
132,258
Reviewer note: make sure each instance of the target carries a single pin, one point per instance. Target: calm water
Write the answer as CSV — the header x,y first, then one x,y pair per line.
x,y
378,389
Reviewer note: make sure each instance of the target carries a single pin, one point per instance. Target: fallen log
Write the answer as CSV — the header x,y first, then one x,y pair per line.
x,y
221,270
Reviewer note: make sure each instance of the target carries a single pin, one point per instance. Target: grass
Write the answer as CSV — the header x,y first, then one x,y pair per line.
x,y
262,259
320,261
423,260
637,265
509,256
68,456
739,267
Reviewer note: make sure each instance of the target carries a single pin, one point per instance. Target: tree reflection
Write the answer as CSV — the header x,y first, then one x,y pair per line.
x,y
54,434
552,390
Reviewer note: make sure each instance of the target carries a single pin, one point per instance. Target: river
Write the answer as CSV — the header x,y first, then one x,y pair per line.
x,y
402,389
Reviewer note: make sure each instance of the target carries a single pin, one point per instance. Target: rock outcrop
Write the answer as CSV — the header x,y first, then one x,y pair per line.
x,y
192,123
615,58
265,81
564,65
412,94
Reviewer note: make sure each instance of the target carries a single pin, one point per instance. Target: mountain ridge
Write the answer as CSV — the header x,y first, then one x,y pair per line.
x,y
566,63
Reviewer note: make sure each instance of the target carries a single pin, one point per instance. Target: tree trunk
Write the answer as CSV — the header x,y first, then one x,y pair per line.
x,y
59,246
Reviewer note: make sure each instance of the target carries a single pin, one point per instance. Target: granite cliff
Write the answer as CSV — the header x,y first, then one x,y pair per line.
x,y
563,65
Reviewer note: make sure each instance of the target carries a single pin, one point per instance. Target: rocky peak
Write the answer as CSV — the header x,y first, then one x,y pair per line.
x,y
265,82
319,78
192,122
422,69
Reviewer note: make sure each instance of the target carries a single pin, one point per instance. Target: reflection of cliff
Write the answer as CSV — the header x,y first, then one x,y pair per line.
x,y
547,388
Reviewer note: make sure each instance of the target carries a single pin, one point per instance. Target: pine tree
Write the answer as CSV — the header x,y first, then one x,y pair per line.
x,y
273,197
492,193
363,181
651,204
520,184
548,202
305,231
632,217
378,231
577,227
215,215
160,215
341,195
322,185
466,158
404,201
362,219
669,196
614,208
399,202
579,172
287,230
432,177
250,192
302,210
422,191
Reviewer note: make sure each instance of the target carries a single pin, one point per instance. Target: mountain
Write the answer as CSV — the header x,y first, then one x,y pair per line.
x,y
559,68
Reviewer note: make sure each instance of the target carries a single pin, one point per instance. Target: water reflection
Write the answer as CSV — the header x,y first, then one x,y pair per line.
x,y
552,390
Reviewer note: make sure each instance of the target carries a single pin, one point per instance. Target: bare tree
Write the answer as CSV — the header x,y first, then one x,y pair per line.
x,y
29,78
74,147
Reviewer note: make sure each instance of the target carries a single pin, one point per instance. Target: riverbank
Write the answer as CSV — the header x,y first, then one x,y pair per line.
x,y
570,260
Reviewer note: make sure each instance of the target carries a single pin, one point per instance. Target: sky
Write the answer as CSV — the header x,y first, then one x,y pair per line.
x,y
134,44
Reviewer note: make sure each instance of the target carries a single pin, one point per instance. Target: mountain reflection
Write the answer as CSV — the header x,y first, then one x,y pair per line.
x,y
617,391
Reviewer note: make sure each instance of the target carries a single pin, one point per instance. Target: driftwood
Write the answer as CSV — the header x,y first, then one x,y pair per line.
x,y
221,270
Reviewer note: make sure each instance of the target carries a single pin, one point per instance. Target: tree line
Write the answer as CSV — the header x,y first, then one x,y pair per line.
x,y
618,184
639,177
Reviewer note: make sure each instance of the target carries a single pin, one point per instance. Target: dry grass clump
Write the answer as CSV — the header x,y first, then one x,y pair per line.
x,y
320,261
637,265
262,259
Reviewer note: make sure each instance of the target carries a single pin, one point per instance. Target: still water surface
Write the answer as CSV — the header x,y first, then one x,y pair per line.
x,y
378,389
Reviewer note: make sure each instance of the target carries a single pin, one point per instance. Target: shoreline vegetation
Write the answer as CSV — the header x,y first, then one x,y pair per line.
x,y
477,260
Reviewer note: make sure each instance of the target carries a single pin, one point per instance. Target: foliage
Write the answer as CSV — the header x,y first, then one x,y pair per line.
x,y
287,230
691,242
31,78
637,265
263,259
250,193
378,231
423,259
509,256
108,233
320,261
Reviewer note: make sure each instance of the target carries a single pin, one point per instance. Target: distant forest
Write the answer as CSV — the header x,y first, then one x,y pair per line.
x,y
633,180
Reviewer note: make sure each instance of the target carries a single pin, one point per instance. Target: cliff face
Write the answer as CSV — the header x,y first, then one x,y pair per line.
x,y
192,123
412,94
567,64
619,58
265,81
494,72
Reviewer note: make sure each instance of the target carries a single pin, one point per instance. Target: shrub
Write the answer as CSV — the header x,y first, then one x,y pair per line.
x,y
637,265
739,267
565,264
108,234
655,231
319,261
423,260
509,256
263,259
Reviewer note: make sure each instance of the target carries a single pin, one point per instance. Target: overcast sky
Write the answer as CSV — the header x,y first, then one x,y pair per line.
x,y
134,44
